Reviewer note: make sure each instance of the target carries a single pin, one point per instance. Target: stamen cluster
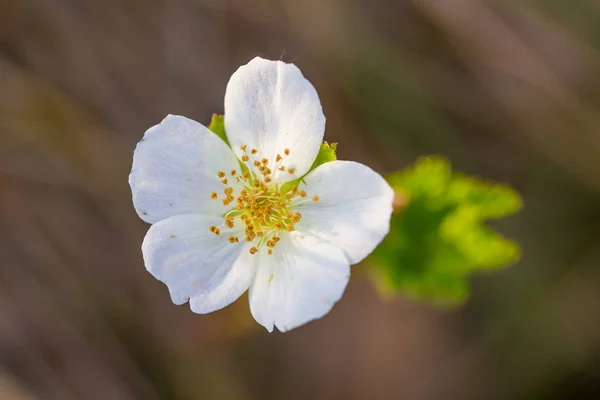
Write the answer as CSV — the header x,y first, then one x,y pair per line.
x,y
261,206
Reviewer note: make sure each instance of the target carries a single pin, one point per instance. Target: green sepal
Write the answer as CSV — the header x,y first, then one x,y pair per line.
x,y
327,153
217,126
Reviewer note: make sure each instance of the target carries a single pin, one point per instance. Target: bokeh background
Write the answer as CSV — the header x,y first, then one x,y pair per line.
x,y
507,90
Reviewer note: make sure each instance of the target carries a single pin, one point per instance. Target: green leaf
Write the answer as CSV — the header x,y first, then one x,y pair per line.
x,y
438,236
217,125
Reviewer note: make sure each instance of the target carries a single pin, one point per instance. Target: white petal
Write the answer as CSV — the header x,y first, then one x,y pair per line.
x,y
353,211
298,283
236,282
175,170
270,106
194,262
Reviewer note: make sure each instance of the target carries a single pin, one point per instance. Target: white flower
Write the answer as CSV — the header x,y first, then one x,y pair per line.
x,y
219,229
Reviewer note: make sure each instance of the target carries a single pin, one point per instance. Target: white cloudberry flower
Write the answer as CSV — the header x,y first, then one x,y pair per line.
x,y
223,220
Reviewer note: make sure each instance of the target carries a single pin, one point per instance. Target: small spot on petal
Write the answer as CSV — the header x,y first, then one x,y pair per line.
x,y
173,236
271,277
325,301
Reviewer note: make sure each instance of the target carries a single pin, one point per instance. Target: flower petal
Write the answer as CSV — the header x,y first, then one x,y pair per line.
x,y
194,262
236,282
271,107
298,283
175,170
353,210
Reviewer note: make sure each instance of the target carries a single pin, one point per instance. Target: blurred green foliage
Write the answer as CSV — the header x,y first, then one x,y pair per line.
x,y
437,236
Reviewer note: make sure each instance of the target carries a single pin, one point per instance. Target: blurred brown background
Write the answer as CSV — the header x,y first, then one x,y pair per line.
x,y
506,90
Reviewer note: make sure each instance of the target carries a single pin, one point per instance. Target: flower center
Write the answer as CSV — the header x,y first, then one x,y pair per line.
x,y
261,206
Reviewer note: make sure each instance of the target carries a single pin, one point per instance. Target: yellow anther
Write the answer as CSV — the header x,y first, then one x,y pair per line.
x,y
214,195
270,252
286,152
315,198
261,206
221,174
243,147
302,193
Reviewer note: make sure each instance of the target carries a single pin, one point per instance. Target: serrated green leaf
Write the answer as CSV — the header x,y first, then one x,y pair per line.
x,y
439,237
491,199
217,126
